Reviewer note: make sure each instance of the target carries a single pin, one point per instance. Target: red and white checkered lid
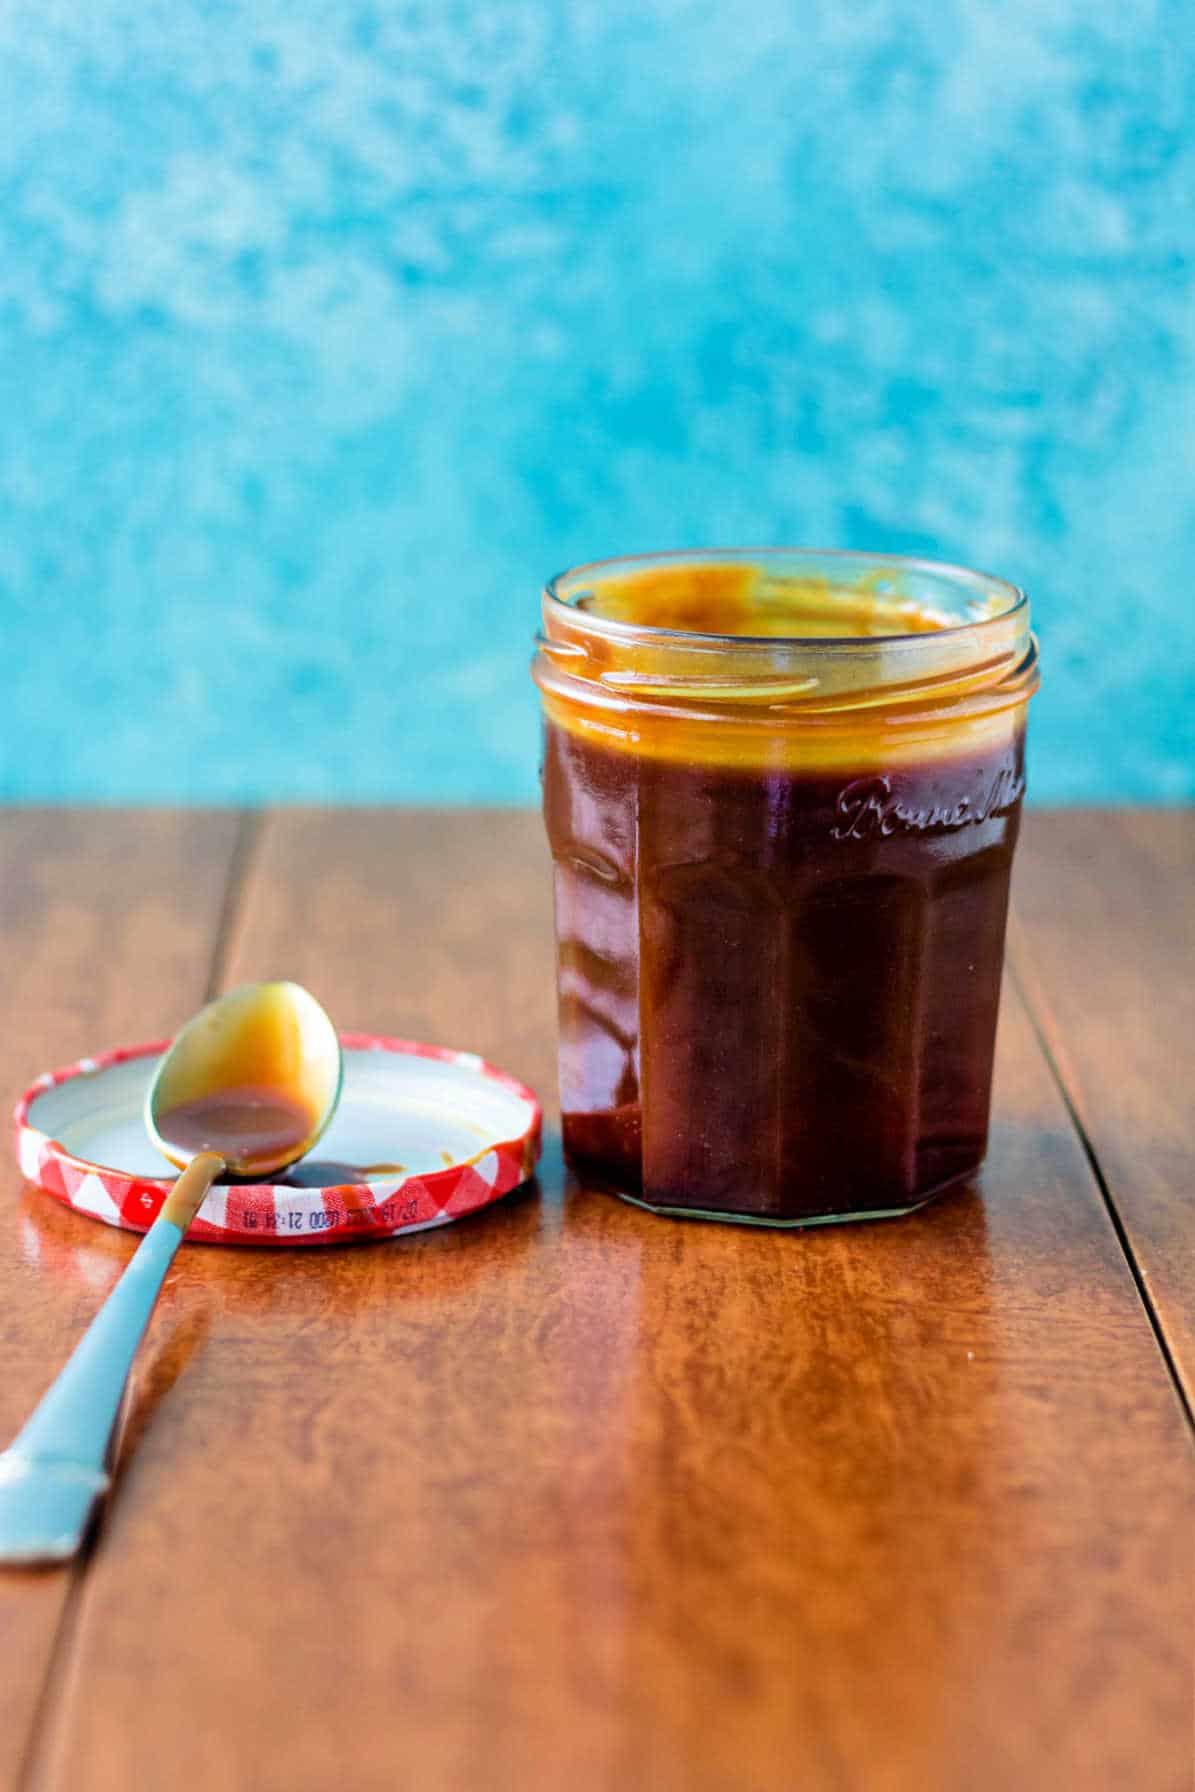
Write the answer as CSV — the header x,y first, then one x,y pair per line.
x,y
454,1133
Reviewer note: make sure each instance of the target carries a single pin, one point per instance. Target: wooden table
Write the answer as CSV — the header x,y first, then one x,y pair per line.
x,y
569,1496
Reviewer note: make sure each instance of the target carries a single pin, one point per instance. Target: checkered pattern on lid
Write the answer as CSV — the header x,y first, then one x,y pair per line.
x,y
279,1213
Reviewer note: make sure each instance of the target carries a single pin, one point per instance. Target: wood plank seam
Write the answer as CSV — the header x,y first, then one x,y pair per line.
x,y
43,1725
55,1667
1036,1008
1106,930
250,828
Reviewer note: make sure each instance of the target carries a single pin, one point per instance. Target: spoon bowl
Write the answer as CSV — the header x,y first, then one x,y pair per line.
x,y
255,1077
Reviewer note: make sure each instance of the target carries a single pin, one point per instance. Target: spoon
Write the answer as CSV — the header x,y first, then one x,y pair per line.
x,y
245,1090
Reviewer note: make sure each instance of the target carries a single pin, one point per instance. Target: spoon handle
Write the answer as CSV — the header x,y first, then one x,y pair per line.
x,y
56,1469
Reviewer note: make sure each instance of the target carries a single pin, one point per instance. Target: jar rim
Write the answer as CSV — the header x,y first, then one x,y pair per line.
x,y
796,558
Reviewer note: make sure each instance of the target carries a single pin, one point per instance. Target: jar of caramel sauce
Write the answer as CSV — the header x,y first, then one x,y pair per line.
x,y
782,792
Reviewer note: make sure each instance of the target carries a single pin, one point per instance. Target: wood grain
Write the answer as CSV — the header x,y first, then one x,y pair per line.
x,y
568,1495
108,923
1104,943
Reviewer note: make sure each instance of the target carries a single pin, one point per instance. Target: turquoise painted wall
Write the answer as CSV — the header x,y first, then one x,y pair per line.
x,y
327,330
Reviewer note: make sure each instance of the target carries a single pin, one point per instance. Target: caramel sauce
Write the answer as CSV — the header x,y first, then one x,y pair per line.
x,y
329,1172
780,932
739,599
252,1126
756,653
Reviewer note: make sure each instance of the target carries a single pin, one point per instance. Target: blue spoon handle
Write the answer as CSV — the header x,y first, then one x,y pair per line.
x,y
57,1468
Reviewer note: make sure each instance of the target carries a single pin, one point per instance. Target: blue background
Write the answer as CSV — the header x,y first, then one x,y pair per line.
x,y
326,331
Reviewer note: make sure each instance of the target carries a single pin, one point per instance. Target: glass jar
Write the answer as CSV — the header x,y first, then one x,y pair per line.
x,y
782,791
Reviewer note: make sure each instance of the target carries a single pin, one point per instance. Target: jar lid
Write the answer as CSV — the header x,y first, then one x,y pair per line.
x,y
421,1136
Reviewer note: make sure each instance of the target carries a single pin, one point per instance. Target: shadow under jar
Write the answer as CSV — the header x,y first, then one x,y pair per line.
x,y
782,791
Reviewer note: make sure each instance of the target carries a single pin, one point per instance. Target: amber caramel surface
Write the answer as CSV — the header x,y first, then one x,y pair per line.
x,y
716,598
917,684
